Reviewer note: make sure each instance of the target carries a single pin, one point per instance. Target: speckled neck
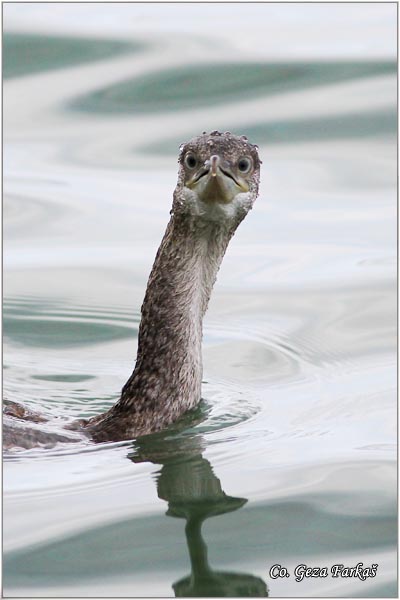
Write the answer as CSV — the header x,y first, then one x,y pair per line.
x,y
166,381
177,295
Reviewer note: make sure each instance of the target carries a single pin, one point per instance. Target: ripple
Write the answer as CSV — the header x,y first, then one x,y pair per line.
x,y
227,407
56,333
199,85
242,353
230,400
298,364
343,126
24,54
63,378
49,324
67,384
316,129
25,213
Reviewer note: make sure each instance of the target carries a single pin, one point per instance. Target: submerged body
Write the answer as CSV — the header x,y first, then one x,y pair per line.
x,y
217,185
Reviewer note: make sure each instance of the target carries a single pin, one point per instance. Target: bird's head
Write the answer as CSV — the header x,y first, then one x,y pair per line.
x,y
218,177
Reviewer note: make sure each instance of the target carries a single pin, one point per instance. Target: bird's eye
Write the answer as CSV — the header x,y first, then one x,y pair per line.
x,y
190,160
244,164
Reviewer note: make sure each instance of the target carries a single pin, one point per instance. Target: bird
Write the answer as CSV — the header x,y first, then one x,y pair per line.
x,y
218,183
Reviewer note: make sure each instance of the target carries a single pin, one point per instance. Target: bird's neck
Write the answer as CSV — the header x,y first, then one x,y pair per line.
x,y
168,368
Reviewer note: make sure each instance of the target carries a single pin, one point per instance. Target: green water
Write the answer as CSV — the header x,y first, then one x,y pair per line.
x,y
26,53
201,85
290,458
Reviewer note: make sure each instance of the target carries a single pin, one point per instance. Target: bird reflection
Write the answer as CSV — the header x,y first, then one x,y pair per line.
x,y
187,482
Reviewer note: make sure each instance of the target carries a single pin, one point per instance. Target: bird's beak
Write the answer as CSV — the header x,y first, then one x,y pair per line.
x,y
214,162
216,182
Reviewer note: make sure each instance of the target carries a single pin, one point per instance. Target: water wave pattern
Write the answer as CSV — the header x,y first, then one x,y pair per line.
x,y
191,86
49,325
25,54
292,449
34,329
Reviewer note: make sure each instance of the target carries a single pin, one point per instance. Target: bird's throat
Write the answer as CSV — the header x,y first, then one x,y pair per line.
x,y
169,363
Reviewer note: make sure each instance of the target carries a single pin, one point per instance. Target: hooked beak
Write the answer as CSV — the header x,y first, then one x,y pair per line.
x,y
214,162
215,182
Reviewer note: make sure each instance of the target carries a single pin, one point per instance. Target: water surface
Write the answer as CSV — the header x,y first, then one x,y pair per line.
x,y
290,458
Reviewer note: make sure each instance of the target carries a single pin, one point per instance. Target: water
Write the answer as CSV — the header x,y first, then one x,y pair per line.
x,y
290,459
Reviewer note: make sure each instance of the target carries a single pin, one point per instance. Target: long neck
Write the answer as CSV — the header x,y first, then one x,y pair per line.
x,y
168,368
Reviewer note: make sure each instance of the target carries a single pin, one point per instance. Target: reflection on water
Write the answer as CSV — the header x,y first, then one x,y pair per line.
x,y
187,482
201,85
48,326
261,534
290,457
380,122
25,54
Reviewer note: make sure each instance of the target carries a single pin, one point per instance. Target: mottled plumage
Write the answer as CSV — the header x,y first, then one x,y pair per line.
x,y
217,184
